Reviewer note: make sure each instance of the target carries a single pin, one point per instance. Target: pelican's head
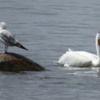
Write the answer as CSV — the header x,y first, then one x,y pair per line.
x,y
98,38
3,25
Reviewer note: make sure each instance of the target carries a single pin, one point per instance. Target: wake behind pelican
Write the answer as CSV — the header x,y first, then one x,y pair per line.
x,y
7,38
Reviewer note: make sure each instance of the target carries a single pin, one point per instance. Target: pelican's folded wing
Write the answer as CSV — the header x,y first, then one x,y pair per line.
x,y
74,59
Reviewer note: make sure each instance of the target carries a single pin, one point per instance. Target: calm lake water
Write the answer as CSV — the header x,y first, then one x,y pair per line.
x,y
48,28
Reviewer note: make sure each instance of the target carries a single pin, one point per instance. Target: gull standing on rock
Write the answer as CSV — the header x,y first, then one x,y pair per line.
x,y
7,38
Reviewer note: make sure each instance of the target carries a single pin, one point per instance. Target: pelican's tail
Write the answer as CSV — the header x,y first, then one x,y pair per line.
x,y
20,45
57,62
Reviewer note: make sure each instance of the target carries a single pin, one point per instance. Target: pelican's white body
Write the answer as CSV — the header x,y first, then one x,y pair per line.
x,y
78,59
81,58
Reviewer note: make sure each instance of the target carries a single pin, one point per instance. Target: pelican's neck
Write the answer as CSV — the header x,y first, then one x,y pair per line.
x,y
98,53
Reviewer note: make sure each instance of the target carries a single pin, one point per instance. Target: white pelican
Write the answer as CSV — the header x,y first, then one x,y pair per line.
x,y
81,58
7,38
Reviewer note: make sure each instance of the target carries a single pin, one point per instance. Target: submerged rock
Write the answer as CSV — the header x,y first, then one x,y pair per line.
x,y
15,63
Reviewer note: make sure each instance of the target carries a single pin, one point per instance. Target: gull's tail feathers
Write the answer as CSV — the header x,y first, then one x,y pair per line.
x,y
20,46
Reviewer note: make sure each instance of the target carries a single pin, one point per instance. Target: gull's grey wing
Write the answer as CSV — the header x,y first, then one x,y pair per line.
x,y
7,37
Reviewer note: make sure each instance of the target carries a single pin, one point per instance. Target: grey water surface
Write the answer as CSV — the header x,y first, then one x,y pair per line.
x,y
48,28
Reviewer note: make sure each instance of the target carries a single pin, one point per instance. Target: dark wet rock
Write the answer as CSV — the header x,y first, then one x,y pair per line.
x,y
15,63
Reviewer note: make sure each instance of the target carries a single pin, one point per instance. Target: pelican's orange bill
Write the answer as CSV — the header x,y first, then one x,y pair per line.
x,y
99,42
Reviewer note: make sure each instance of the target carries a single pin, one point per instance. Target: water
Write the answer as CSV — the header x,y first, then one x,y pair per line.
x,y
48,28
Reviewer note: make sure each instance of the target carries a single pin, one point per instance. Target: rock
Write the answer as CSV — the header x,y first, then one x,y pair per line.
x,y
15,63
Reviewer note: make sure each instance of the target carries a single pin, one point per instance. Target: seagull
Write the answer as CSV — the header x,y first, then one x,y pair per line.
x,y
7,38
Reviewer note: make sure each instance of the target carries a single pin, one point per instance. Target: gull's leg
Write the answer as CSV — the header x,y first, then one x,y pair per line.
x,y
6,47
98,72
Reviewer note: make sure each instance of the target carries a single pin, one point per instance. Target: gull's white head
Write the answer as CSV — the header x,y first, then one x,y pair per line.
x,y
3,25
